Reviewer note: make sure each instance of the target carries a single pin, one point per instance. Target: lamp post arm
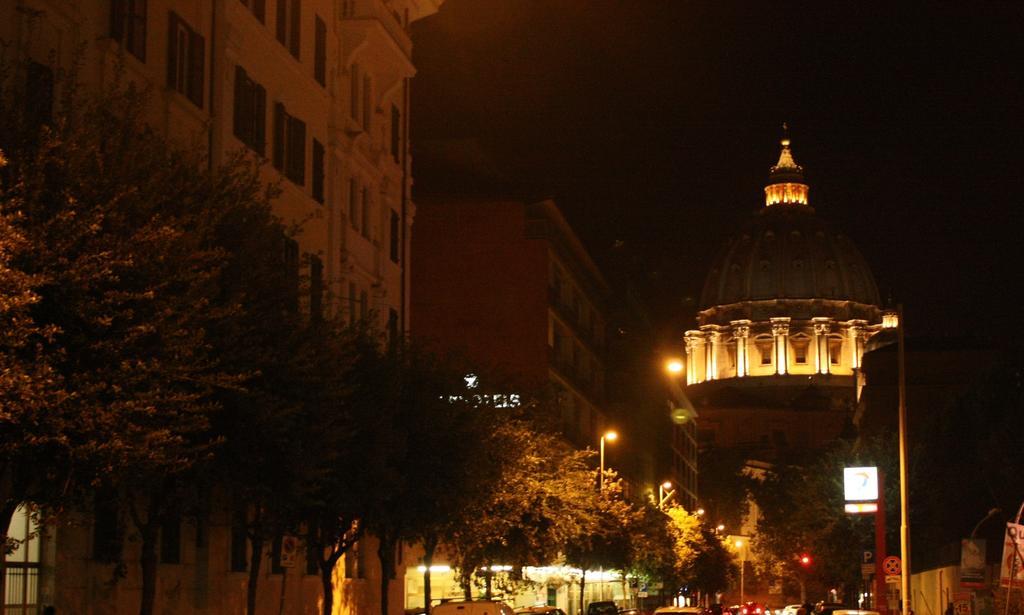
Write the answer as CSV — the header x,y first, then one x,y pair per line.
x,y
991,513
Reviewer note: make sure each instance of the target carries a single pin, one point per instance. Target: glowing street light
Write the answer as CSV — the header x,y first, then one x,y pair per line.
x,y
665,493
674,366
610,436
700,512
743,564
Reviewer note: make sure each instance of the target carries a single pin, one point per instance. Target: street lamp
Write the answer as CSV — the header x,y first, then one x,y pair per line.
x,y
743,565
665,493
991,513
674,366
610,436
700,512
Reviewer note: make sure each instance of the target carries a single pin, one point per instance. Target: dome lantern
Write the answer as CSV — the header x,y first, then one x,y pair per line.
x,y
786,180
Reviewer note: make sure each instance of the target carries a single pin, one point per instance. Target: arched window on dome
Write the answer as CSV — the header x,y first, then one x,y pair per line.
x,y
765,348
835,349
800,343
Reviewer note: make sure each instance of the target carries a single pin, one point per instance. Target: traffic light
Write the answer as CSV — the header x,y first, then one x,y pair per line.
x,y
805,560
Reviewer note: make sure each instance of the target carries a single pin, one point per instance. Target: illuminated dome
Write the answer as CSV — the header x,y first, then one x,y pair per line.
x,y
788,296
788,252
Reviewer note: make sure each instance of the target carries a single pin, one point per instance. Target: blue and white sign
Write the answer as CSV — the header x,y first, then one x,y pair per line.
x,y
860,484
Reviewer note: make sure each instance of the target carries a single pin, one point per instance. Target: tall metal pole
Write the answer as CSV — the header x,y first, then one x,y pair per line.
x,y
1013,560
600,477
743,568
881,601
904,487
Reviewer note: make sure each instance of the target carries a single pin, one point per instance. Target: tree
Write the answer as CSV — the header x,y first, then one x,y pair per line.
x,y
723,486
542,498
31,427
604,539
714,566
341,469
653,555
130,238
441,448
802,512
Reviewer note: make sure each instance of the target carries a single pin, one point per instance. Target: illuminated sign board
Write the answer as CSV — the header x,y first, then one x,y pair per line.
x,y
860,484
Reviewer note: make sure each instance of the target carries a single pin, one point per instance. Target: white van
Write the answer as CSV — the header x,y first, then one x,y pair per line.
x,y
472,607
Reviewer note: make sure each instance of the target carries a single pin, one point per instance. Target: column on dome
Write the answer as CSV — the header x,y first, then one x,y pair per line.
x,y
712,341
855,332
822,327
780,335
741,331
694,357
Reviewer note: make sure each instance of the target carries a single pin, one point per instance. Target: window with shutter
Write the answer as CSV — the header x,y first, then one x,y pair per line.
x,y
353,204
295,156
320,52
280,119
318,171
366,102
366,213
288,26
250,111
354,92
185,59
394,230
241,111
128,25
289,155
396,132
196,68
281,22
296,28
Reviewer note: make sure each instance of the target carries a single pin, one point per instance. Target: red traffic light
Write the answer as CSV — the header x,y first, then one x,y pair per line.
x,y
805,560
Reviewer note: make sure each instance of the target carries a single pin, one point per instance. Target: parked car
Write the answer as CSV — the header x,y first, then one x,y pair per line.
x,y
678,610
540,610
472,607
603,607
790,609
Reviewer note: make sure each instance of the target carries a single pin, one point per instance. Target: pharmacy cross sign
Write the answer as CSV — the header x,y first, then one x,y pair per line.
x,y
891,565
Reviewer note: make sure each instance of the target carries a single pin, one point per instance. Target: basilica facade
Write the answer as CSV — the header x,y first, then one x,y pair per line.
x,y
786,312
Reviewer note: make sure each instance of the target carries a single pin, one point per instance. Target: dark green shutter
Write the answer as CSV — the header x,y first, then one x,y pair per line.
x,y
280,118
196,67
296,23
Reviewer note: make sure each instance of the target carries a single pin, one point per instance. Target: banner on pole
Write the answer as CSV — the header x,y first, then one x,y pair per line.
x,y
972,562
1011,573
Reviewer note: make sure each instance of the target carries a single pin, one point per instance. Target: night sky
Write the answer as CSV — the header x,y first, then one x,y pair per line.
x,y
654,123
